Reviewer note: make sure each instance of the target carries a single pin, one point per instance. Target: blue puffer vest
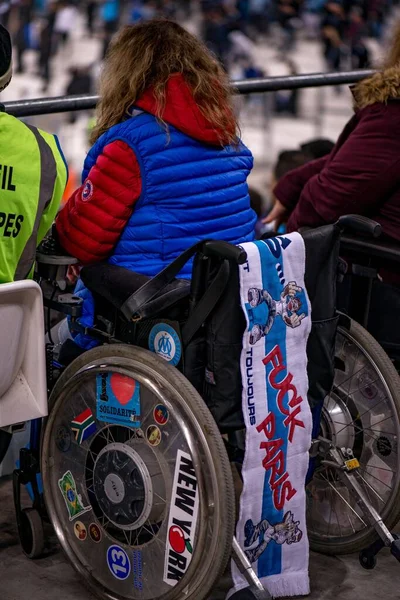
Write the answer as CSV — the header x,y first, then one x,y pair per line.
x,y
190,191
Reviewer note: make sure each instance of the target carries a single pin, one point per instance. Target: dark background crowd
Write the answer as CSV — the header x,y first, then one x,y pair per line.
x,y
229,27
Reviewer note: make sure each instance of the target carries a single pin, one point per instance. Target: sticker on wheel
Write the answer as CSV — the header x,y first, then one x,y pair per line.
x,y
80,531
161,414
137,570
95,533
63,439
182,520
153,435
384,446
83,426
72,499
118,399
118,562
164,341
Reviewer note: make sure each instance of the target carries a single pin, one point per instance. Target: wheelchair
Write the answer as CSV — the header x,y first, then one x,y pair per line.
x,y
125,425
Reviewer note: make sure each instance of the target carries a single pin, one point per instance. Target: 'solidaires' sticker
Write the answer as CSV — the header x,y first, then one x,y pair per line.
x,y
118,399
182,520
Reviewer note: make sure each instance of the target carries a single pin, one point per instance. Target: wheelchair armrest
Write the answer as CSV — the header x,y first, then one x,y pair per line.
x,y
359,224
224,250
381,249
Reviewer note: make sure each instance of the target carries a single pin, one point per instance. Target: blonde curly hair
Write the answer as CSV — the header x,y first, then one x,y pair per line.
x,y
145,56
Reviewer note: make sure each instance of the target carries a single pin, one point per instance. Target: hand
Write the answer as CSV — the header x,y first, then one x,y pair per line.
x,y
73,273
291,289
294,320
279,213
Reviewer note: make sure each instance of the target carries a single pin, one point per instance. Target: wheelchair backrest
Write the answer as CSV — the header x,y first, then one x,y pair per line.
x,y
23,393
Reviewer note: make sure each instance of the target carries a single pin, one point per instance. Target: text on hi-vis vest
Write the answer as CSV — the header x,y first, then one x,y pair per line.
x,y
10,223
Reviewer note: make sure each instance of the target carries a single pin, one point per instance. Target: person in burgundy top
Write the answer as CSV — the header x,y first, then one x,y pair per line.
x,y
361,175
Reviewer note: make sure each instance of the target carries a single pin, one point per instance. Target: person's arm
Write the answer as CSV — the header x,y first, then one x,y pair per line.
x,y
93,219
361,175
290,186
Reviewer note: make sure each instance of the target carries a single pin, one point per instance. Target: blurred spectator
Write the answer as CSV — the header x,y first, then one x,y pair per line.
x,y
91,14
288,12
317,148
286,162
356,34
287,101
216,32
110,14
5,9
46,45
65,20
25,10
258,16
81,82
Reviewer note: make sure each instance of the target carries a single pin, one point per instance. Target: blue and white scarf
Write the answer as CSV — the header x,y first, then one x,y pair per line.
x,y
272,526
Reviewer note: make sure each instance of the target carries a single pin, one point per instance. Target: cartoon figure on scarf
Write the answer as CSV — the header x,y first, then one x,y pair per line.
x,y
286,532
262,309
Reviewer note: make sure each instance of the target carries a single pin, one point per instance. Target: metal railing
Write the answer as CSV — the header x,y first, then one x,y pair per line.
x,y
42,106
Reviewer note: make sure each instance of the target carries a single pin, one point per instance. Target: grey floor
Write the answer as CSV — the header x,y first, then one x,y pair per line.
x,y
52,577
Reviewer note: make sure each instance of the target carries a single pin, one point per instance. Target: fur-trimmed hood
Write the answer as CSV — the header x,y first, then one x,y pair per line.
x,y
381,87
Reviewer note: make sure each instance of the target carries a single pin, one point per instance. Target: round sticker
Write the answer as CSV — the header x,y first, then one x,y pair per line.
x,y
63,438
87,191
384,446
153,435
80,531
161,414
367,386
164,341
118,562
95,533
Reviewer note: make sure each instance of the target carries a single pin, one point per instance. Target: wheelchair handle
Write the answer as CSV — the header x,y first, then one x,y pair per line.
x,y
359,224
224,250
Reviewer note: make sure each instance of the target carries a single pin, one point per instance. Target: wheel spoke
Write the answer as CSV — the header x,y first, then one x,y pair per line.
x,y
344,500
370,487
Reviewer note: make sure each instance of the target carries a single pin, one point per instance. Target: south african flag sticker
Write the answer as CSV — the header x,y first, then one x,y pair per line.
x,y
83,426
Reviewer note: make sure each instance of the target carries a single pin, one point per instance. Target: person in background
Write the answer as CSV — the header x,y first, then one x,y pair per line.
x,y
34,175
81,82
361,175
65,20
24,11
317,148
356,34
110,14
287,101
287,161
46,45
166,168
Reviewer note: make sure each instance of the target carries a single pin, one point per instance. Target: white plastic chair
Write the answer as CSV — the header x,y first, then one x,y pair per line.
x,y
23,393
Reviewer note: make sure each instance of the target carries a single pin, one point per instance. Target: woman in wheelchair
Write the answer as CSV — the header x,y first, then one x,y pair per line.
x,y
167,168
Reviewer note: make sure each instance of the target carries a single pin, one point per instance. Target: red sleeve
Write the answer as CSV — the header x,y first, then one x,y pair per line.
x,y
359,178
93,219
290,186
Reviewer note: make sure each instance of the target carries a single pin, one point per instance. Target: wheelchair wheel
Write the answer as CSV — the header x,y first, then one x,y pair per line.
x,y
31,533
362,413
137,481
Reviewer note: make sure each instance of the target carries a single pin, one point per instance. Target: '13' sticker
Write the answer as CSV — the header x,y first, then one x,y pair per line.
x,y
118,562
